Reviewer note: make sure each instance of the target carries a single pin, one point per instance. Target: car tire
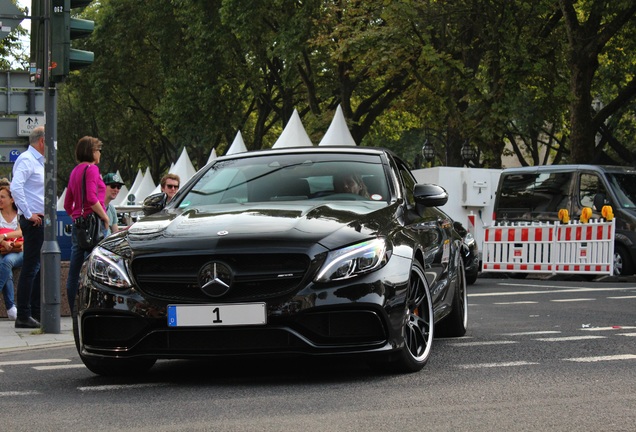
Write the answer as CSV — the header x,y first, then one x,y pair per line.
x,y
456,322
471,277
110,366
623,265
418,325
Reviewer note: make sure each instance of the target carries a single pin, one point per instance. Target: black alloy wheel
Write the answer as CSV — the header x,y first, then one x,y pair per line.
x,y
418,324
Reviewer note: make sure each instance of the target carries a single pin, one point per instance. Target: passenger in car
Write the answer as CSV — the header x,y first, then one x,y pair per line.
x,y
350,183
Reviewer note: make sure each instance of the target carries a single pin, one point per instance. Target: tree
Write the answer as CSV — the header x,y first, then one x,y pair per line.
x,y
591,25
12,55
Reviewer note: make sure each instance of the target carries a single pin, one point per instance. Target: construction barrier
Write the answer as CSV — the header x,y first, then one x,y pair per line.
x,y
550,247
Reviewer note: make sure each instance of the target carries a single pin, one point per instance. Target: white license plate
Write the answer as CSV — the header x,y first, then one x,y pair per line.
x,y
213,315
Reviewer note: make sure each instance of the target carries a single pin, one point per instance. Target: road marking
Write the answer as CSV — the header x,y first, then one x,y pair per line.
x,y
72,366
572,300
608,328
484,343
627,334
570,338
119,387
559,291
602,358
515,303
492,365
622,297
18,393
531,333
29,362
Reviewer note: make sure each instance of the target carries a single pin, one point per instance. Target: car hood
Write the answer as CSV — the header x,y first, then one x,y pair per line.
x,y
272,225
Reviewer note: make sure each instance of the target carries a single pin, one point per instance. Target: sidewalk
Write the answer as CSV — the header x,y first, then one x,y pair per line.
x,y
12,338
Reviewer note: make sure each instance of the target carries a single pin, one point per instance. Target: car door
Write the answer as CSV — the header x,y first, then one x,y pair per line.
x,y
430,229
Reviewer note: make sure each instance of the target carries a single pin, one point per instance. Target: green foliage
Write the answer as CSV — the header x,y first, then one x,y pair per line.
x,y
12,54
171,74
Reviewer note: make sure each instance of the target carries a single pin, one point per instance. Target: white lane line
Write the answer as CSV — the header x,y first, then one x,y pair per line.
x,y
493,365
602,358
532,333
608,328
572,300
72,366
627,334
570,338
567,290
515,303
484,343
119,387
18,393
30,362
622,297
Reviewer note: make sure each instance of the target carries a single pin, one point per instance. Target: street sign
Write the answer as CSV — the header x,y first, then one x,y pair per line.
x,y
28,122
11,152
10,17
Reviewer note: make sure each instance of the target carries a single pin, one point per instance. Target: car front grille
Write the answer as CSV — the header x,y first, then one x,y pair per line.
x,y
256,276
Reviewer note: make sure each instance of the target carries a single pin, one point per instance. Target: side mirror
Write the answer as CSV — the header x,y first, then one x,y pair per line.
x,y
154,203
430,195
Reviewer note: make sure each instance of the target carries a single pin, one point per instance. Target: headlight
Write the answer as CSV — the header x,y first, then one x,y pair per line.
x,y
108,268
353,260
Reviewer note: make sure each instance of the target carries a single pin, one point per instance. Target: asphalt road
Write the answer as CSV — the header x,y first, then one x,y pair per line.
x,y
539,356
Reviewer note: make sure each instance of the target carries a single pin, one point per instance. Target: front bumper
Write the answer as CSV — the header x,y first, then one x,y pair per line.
x,y
365,316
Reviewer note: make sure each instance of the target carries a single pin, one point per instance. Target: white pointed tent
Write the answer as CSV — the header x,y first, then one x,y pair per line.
x,y
184,168
238,146
60,200
338,132
294,134
133,189
145,188
212,156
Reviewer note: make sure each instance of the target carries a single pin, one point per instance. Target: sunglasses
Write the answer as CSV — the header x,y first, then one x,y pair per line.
x,y
114,186
172,186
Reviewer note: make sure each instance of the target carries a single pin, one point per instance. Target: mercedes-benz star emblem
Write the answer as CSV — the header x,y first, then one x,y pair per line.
x,y
215,278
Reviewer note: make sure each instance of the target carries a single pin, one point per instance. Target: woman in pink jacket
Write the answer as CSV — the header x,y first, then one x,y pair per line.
x,y
88,154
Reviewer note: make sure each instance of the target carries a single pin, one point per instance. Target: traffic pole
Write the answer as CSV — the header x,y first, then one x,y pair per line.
x,y
50,254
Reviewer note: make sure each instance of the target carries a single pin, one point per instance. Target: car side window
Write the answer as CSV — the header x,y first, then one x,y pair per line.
x,y
408,182
590,185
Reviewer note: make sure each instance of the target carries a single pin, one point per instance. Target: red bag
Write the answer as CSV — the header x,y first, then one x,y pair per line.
x,y
16,243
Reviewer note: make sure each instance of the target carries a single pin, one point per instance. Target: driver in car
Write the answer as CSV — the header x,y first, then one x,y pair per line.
x,y
350,183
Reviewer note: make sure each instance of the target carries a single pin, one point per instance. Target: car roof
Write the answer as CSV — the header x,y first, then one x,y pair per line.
x,y
312,150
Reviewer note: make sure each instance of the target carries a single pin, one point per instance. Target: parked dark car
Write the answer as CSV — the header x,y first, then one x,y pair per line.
x,y
471,254
260,255
537,193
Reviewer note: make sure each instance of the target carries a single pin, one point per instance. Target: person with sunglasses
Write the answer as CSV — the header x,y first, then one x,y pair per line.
x,y
170,185
113,184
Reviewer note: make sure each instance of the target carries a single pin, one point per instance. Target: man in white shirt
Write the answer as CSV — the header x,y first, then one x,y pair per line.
x,y
27,189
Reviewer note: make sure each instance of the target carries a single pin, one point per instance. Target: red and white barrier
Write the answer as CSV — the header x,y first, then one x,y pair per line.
x,y
547,247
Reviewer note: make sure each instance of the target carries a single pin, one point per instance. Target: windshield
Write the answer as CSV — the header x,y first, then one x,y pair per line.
x,y
290,177
624,185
